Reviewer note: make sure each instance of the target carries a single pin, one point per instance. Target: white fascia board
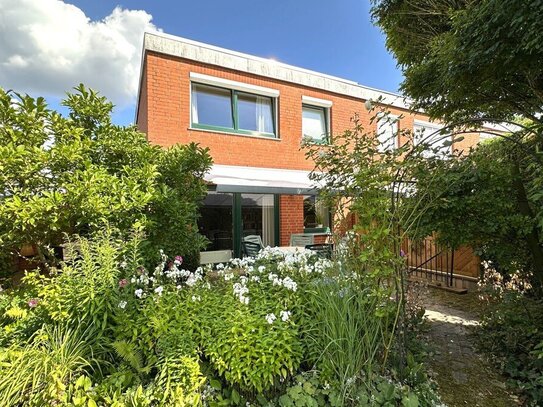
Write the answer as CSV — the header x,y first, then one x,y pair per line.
x,y
226,83
209,54
317,102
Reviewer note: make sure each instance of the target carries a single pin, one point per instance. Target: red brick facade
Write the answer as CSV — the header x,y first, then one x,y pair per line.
x,y
164,115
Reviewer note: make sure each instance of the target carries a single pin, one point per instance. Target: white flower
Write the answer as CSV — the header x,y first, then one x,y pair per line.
x,y
289,284
159,290
193,279
196,298
255,278
261,269
219,266
285,316
179,286
123,264
138,293
270,318
133,280
122,304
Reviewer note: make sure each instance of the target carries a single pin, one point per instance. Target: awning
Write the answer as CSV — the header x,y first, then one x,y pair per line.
x,y
233,178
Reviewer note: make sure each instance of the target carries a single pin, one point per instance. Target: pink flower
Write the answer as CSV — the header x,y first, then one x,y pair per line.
x,y
33,303
178,260
123,283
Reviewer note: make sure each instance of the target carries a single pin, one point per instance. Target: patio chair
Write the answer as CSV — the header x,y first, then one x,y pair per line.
x,y
250,249
254,239
324,250
301,240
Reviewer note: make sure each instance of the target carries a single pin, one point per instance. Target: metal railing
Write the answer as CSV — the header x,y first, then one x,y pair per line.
x,y
430,261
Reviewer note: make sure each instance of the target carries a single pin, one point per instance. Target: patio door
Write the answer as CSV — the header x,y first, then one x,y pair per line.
x,y
258,217
226,218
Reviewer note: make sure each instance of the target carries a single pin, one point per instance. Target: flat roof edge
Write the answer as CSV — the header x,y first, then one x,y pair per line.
x,y
209,54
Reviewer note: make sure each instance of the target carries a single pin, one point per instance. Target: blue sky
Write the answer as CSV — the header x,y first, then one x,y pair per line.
x,y
333,37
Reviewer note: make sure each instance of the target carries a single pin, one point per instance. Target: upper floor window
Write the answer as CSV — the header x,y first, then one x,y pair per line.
x,y
232,109
316,120
387,133
438,143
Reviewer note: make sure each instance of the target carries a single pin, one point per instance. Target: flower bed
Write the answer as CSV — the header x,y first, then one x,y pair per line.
x,y
289,329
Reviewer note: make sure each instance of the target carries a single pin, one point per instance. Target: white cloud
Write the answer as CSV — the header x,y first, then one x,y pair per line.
x,y
47,47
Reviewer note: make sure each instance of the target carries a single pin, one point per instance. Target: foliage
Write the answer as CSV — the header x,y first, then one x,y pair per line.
x,y
38,373
245,332
465,60
512,333
345,332
492,193
74,175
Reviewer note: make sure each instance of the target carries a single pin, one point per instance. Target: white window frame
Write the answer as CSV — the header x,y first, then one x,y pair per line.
x,y
316,103
392,120
433,128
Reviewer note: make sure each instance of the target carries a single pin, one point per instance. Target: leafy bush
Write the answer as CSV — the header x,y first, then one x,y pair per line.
x,y
511,332
81,173
244,332
345,327
39,372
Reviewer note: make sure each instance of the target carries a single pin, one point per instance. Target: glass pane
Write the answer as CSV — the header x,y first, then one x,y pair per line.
x,y
314,123
257,216
215,222
387,133
433,139
211,106
255,113
316,214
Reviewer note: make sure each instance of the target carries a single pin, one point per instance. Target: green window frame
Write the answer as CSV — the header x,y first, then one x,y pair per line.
x,y
235,114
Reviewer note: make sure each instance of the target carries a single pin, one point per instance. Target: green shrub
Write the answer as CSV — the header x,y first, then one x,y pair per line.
x,y
345,331
511,332
39,372
98,175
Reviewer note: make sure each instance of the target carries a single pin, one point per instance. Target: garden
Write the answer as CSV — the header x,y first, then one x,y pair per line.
x,y
127,317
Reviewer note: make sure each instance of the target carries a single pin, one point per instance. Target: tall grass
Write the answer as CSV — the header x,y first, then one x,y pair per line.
x,y
38,373
344,334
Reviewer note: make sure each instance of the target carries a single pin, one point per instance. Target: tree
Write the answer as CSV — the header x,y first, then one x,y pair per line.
x,y
466,62
78,174
465,59
475,202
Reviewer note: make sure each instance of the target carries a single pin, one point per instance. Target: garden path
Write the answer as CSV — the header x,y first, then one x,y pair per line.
x,y
464,376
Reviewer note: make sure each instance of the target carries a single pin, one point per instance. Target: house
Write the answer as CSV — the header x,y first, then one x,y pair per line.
x,y
253,113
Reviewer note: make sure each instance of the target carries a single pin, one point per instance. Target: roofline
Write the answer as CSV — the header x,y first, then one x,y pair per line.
x,y
168,44
160,42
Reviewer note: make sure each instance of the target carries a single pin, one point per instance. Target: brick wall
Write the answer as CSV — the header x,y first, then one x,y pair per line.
x,y
291,214
164,114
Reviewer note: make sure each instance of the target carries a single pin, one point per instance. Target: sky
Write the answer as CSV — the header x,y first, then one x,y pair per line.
x,y
49,46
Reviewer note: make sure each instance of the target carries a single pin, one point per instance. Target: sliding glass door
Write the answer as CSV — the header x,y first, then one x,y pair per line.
x,y
258,217
227,218
215,221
